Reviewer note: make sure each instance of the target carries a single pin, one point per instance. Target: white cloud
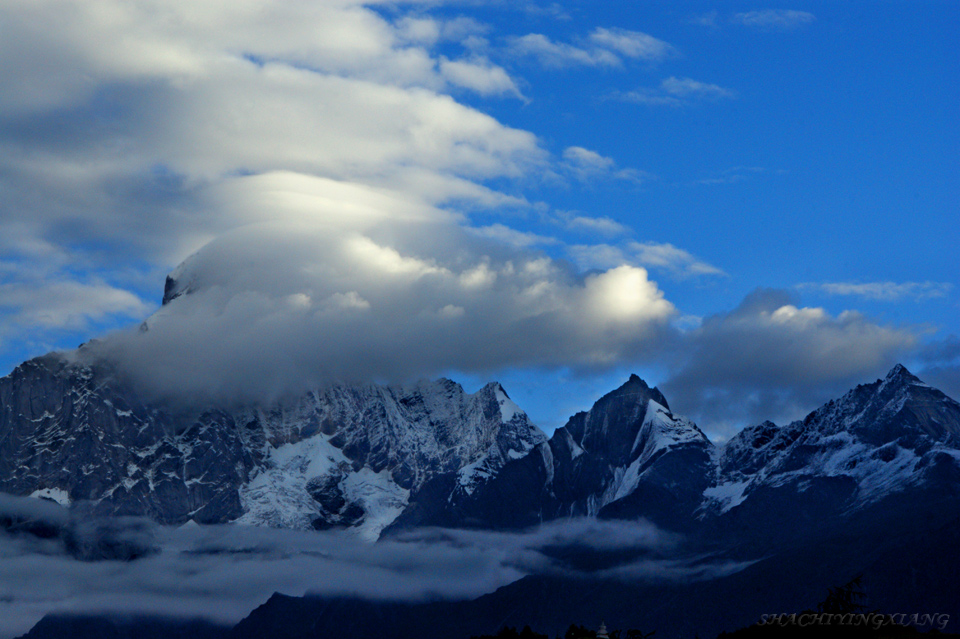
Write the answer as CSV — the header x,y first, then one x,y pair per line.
x,y
600,225
553,10
603,48
511,237
631,44
428,31
884,291
479,75
302,305
653,255
675,91
587,160
222,573
560,54
66,303
671,258
772,359
774,18
586,166
686,88
318,135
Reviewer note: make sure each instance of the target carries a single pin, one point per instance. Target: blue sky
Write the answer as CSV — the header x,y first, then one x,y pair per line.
x,y
753,206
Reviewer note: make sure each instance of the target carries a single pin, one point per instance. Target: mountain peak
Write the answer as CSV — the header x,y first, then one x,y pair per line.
x,y
900,373
635,385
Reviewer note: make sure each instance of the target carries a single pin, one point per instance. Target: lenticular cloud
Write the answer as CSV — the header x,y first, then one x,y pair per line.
x,y
272,308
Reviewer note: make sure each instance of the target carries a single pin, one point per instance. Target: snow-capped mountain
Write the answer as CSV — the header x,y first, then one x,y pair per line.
x,y
353,456
877,440
868,484
630,456
376,458
628,451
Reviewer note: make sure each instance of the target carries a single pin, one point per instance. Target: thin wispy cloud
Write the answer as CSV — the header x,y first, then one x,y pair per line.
x,y
675,91
708,19
737,174
430,31
765,19
588,166
687,87
221,573
560,54
883,291
603,47
631,44
512,237
554,11
599,225
774,19
663,257
478,74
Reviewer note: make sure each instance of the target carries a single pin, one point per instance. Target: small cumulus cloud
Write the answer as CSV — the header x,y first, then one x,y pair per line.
x,y
587,160
883,291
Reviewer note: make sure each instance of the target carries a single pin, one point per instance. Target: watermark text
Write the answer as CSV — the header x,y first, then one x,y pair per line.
x,y
873,620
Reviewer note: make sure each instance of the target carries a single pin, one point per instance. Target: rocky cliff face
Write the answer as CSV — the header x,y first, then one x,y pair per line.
x,y
378,458
627,454
877,440
630,457
67,434
337,456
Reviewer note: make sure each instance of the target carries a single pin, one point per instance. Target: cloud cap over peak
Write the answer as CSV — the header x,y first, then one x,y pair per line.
x,y
273,307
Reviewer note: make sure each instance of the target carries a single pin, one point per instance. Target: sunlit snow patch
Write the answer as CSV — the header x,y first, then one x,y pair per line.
x,y
727,495
508,409
55,494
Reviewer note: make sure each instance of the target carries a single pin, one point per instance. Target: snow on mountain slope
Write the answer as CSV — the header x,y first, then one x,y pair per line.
x,y
660,433
627,439
370,458
885,436
374,446
345,456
